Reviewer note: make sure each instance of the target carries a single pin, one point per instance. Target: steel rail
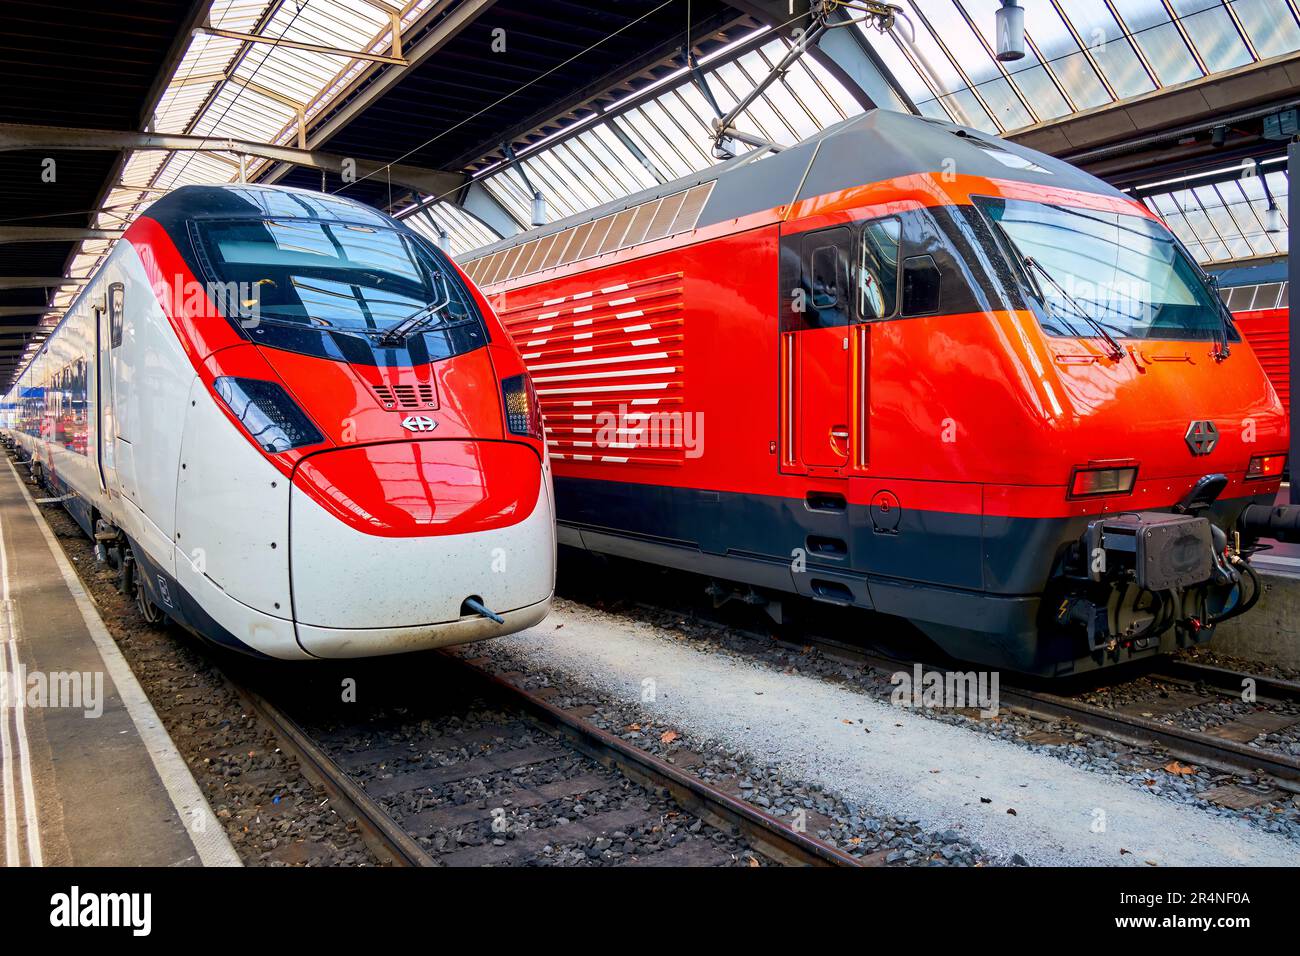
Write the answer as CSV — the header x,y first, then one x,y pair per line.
x,y
765,833
1226,679
380,830
1218,753
1225,755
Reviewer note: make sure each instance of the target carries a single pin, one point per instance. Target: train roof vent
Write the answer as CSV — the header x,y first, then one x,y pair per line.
x,y
511,261
556,248
617,229
661,225
645,222
641,217
692,206
419,395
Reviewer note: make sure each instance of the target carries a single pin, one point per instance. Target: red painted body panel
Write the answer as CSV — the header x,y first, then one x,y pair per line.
x,y
386,483
980,413
417,488
1269,334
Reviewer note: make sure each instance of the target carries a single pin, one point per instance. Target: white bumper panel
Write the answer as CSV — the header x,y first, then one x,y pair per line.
x,y
368,642
272,636
345,579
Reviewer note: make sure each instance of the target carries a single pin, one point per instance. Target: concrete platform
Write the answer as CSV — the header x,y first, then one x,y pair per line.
x,y
1271,631
89,775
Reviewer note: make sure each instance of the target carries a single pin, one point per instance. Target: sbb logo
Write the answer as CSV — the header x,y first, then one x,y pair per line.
x,y
419,423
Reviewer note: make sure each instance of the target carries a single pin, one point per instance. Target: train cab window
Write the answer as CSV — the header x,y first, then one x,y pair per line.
x,y
823,298
921,282
116,309
828,295
817,284
878,269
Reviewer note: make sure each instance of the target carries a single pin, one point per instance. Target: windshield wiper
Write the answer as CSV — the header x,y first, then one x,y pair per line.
x,y
1116,350
1221,350
396,334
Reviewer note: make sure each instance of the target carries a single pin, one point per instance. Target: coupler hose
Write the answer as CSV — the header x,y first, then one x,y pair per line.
x,y
1257,589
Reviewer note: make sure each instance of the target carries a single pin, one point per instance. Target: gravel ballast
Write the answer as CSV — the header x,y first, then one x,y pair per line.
x,y
273,815
1015,803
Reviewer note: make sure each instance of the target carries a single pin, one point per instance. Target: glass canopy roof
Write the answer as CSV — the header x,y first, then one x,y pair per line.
x,y
1223,216
1080,54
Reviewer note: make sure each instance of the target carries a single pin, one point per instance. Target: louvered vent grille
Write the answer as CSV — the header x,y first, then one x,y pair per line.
x,y
405,396
651,220
615,351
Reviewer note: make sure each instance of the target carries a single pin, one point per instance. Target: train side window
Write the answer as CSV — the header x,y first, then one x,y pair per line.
x,y
827,275
878,269
816,279
116,307
921,281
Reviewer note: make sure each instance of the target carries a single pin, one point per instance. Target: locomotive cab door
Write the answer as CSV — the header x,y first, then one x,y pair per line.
x,y
816,329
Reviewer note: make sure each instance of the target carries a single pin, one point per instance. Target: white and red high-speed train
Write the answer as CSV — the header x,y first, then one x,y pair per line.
x,y
297,428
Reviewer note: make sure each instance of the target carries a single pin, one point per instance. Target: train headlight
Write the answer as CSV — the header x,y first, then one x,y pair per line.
x,y
267,413
523,412
1088,482
1265,466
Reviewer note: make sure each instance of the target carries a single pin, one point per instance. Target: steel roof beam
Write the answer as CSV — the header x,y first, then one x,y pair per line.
x,y
1120,141
612,86
844,52
14,137
37,282
442,25
308,47
54,234
11,310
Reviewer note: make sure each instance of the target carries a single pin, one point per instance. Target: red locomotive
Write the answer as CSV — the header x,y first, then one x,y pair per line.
x,y
908,367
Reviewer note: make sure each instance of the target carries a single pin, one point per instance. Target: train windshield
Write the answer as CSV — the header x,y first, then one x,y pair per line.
x,y
1126,273
330,275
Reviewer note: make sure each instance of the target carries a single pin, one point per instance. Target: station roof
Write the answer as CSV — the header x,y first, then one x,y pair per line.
x,y
455,111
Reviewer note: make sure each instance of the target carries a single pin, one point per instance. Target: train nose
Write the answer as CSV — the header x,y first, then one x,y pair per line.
x,y
388,541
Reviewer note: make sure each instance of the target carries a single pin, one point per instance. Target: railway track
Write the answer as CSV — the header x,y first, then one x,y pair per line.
x,y
1137,726
1226,749
410,800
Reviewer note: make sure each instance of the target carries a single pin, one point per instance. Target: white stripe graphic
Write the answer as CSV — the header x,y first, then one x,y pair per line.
x,y
6,765
6,693
612,360
661,370
24,763
34,855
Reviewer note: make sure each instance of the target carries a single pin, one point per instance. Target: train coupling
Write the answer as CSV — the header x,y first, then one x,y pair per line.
x,y
1157,551
1280,522
1136,577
